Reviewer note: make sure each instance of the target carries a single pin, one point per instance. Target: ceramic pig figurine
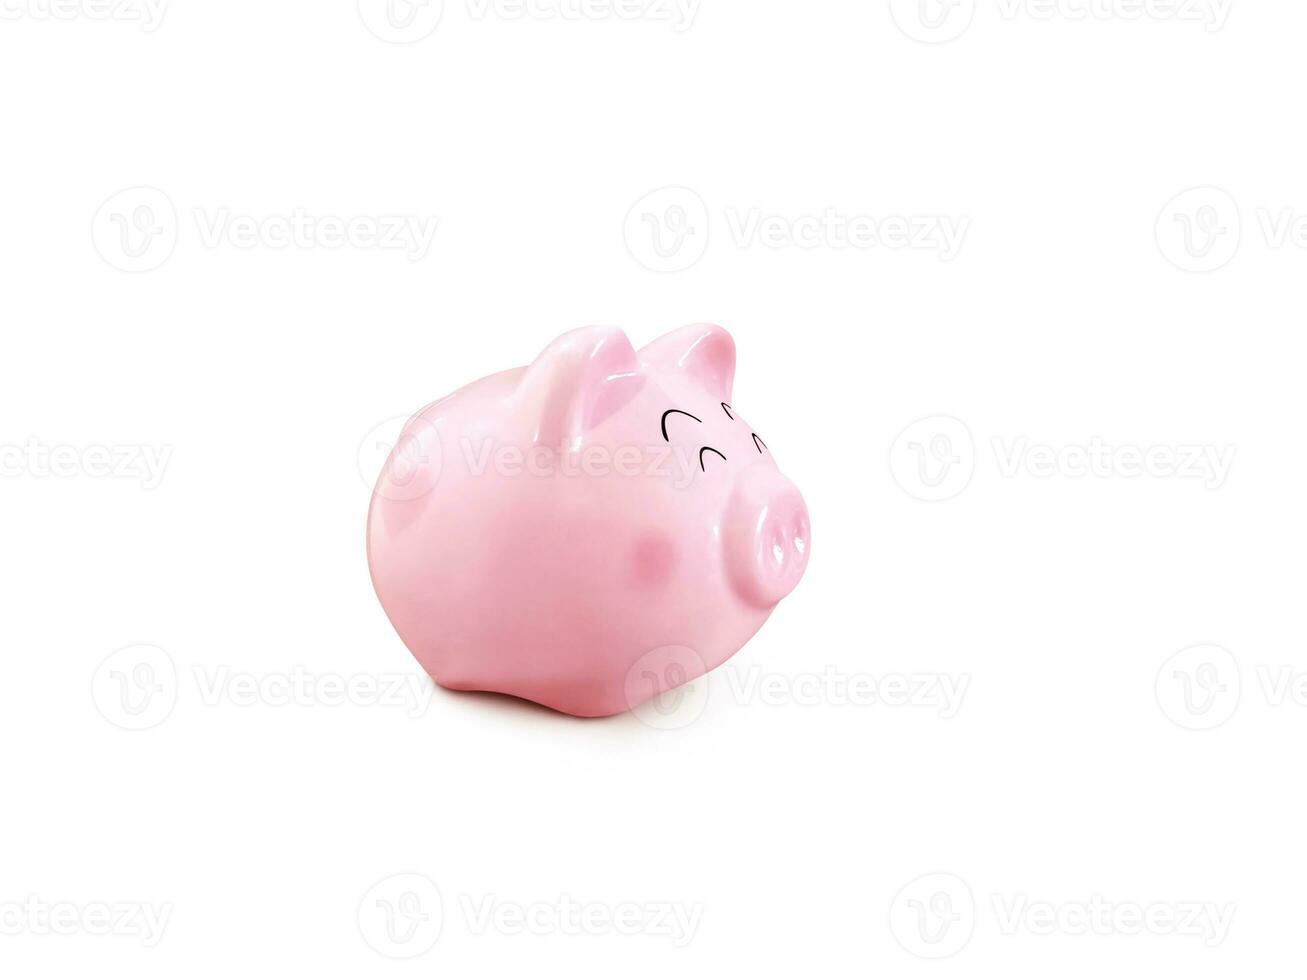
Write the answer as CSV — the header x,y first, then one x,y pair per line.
x,y
589,531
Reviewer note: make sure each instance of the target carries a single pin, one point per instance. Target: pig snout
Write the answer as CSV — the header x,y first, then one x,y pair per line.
x,y
767,537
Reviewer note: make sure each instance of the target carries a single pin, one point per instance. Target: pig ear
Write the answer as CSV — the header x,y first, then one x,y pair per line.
x,y
704,351
579,380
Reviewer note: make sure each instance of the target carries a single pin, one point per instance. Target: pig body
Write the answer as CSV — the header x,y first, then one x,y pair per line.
x,y
588,531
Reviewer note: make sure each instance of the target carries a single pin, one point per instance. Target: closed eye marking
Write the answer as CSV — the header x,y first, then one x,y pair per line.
x,y
727,409
708,449
758,442
675,411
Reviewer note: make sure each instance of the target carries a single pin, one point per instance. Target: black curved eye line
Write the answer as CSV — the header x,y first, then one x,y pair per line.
x,y
708,449
675,411
758,442
727,409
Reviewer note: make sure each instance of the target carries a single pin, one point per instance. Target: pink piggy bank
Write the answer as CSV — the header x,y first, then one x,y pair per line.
x,y
589,531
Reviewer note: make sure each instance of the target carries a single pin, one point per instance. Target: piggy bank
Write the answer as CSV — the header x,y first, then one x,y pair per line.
x,y
589,531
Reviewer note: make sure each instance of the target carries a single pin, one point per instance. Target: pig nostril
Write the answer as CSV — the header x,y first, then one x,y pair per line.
x,y
789,542
776,544
786,541
801,534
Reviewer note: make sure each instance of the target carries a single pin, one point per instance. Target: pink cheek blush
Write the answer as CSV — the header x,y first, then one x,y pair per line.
x,y
653,561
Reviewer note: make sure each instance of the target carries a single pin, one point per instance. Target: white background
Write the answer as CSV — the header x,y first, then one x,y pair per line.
x,y
789,806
